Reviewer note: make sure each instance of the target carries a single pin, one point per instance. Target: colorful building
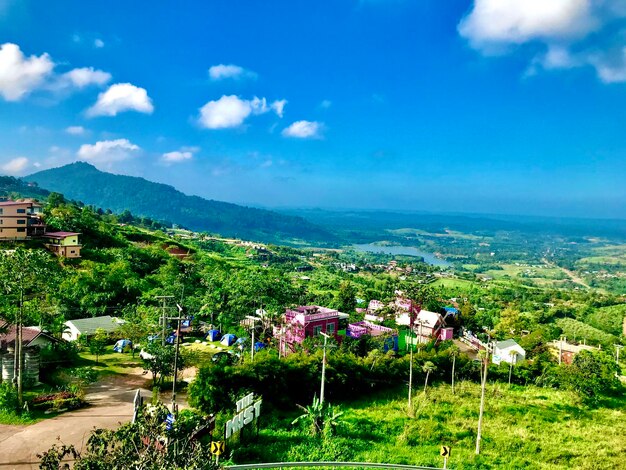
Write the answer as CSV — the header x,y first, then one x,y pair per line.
x,y
63,244
306,322
20,220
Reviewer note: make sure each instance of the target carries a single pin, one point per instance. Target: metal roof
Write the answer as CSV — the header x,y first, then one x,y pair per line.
x,y
88,326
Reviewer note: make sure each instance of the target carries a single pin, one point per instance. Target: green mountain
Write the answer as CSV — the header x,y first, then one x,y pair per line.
x,y
84,182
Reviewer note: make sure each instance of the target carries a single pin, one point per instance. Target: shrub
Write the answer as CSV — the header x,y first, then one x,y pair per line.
x,y
9,400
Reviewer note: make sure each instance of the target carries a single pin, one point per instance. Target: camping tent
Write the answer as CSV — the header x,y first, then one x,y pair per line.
x,y
228,339
213,335
123,345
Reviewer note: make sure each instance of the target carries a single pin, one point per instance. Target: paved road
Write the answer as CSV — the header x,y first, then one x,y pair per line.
x,y
111,404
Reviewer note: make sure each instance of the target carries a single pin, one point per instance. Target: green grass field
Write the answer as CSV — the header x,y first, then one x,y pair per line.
x,y
524,428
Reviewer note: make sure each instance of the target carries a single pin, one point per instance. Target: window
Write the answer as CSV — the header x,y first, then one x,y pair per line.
x,y
317,330
72,251
1,211
21,221
21,211
21,230
330,328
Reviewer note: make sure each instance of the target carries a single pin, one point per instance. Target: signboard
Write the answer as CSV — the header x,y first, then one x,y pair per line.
x,y
247,411
169,421
445,451
218,447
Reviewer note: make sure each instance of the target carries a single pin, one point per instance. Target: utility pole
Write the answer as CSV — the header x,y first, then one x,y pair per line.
x,y
410,372
482,396
323,369
163,318
180,311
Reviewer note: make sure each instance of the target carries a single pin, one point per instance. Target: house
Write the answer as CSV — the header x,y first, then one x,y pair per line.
x,y
306,322
88,326
20,220
507,351
63,244
31,336
426,326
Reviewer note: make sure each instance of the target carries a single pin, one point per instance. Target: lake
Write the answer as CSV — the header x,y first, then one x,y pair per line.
x,y
403,250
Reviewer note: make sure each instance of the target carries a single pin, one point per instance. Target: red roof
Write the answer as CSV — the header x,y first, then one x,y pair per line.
x,y
29,333
60,234
14,203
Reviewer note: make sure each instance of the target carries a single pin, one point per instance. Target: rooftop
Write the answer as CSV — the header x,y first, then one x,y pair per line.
x,y
88,326
60,234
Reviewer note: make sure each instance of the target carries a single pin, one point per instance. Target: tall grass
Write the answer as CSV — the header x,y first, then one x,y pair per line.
x,y
524,427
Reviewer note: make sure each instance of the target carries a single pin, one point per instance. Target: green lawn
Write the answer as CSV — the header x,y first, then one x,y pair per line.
x,y
524,428
110,362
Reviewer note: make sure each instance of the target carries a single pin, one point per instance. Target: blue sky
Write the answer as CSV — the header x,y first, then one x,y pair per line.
x,y
496,106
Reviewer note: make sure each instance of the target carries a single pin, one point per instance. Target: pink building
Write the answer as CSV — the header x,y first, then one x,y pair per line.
x,y
306,322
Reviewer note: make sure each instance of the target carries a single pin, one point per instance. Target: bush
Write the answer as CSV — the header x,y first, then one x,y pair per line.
x,y
9,400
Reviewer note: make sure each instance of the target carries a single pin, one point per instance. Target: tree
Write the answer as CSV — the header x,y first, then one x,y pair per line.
x,y
512,356
98,342
142,444
428,367
591,374
346,297
160,361
25,275
453,352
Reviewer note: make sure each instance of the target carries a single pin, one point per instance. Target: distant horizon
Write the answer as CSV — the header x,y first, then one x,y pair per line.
x,y
281,208
471,106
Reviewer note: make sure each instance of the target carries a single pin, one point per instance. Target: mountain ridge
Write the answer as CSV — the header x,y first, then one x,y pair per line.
x,y
84,182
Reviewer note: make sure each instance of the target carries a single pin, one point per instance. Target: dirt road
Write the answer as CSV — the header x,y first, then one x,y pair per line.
x,y
110,404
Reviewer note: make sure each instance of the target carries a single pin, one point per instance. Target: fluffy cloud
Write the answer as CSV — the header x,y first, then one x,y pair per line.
x,y
232,111
15,166
20,75
119,98
573,33
108,151
83,77
76,130
178,156
221,72
98,43
303,130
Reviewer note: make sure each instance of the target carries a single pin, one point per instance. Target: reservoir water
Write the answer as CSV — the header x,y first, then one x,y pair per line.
x,y
402,250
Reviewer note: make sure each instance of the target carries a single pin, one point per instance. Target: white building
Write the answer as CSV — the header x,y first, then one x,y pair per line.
x,y
508,351
88,326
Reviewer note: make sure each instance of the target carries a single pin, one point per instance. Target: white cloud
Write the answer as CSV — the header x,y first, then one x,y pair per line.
x,y
98,43
573,33
221,72
303,130
325,104
119,98
20,75
76,130
15,166
231,111
178,156
108,151
85,76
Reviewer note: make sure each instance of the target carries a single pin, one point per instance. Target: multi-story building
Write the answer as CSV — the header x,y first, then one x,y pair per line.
x,y
20,220
63,244
307,322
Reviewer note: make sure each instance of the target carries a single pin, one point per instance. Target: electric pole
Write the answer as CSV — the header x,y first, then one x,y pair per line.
x,y
323,369
482,395
163,318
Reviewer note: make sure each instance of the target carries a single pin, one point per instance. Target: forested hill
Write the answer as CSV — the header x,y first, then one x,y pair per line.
x,y
84,182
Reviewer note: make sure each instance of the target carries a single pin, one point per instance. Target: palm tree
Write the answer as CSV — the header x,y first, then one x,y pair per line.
x,y
512,355
453,351
428,367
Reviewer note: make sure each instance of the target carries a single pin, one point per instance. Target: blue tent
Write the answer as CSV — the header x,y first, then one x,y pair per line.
x,y
228,339
259,345
213,335
123,345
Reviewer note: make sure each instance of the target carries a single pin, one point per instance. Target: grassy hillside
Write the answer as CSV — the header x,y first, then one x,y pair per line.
x,y
84,182
524,428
